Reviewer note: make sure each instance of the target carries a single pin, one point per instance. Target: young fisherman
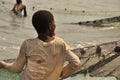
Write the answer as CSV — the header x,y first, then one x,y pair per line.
x,y
43,57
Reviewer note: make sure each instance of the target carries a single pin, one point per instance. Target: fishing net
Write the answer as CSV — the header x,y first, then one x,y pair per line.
x,y
6,75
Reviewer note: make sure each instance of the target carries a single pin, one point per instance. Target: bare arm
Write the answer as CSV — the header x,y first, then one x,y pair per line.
x,y
13,9
25,12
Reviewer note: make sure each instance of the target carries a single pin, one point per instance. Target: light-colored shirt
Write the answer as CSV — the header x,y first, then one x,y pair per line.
x,y
43,60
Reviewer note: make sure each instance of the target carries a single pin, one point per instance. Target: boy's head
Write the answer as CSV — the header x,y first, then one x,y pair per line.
x,y
19,1
43,22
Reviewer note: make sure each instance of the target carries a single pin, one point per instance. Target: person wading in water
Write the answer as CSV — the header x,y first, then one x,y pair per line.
x,y
18,8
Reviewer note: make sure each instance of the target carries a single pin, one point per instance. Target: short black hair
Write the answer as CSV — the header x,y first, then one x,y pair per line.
x,y
41,20
19,1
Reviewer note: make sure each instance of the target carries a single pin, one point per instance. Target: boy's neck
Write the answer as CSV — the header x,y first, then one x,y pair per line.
x,y
50,39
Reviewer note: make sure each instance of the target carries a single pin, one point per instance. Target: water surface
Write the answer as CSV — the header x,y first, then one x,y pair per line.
x,y
14,30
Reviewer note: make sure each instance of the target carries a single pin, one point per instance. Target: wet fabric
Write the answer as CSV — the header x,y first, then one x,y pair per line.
x,y
44,60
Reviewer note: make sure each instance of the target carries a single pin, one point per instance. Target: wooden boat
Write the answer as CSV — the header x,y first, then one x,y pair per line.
x,y
98,62
107,69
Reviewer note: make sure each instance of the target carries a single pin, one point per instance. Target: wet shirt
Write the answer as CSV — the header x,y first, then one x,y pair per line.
x,y
43,60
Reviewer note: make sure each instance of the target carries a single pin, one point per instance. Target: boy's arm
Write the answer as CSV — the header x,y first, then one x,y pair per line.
x,y
25,11
72,66
73,62
13,9
19,63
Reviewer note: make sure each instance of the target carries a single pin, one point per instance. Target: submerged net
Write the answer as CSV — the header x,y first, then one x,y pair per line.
x,y
6,75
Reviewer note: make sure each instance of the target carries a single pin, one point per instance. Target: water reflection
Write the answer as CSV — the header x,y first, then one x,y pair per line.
x,y
16,22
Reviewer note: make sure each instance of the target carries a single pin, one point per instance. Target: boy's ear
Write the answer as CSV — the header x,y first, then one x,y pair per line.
x,y
50,26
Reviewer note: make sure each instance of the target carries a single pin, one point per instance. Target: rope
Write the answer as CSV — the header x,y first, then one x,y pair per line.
x,y
113,70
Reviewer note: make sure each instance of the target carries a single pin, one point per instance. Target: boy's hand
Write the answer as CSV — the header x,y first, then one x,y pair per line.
x,y
1,64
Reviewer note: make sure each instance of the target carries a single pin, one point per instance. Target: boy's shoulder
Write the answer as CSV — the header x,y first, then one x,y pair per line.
x,y
36,40
60,40
30,40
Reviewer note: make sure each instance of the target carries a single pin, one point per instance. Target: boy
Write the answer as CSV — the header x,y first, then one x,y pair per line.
x,y
43,57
